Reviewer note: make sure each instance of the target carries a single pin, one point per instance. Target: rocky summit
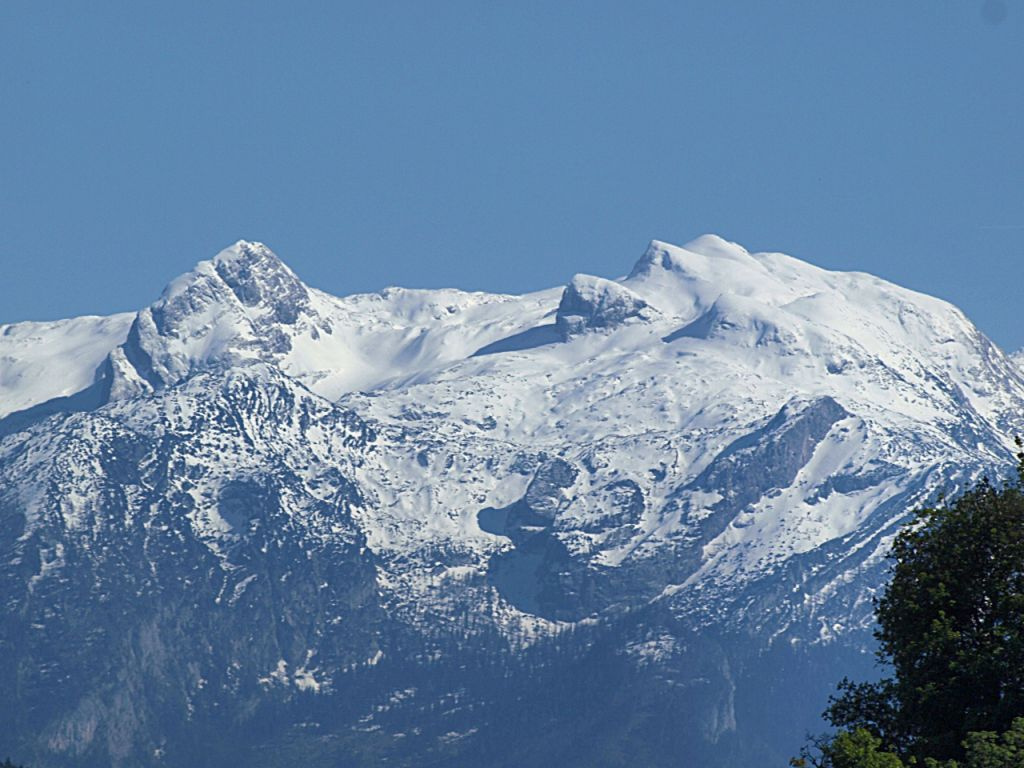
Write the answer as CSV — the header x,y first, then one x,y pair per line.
x,y
624,522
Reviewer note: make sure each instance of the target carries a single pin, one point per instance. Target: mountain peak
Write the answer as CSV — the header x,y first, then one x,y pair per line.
x,y
657,254
243,304
258,277
251,256
678,258
710,244
244,250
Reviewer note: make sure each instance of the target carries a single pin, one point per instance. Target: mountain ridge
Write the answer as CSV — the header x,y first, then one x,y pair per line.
x,y
689,475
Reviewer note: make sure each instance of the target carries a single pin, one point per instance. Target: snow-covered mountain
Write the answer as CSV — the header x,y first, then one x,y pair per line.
x,y
407,524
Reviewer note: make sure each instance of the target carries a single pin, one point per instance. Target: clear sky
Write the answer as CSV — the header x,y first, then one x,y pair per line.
x,y
507,145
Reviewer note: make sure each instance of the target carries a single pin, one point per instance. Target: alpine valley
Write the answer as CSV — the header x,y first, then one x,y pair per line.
x,y
633,522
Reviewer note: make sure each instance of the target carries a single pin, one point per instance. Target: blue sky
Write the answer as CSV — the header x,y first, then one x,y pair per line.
x,y
506,146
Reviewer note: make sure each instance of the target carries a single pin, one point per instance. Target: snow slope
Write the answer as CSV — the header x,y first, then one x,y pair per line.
x,y
42,361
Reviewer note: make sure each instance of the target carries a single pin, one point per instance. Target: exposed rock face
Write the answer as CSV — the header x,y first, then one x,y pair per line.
x,y
244,305
259,524
172,558
260,280
592,302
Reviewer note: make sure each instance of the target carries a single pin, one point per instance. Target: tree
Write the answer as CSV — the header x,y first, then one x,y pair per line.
x,y
849,749
861,749
987,749
951,628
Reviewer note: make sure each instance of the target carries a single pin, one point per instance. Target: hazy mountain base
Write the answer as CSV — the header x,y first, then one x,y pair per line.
x,y
575,701
598,709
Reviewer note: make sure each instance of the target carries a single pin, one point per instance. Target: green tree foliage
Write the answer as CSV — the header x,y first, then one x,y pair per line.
x,y
861,749
849,749
987,749
951,628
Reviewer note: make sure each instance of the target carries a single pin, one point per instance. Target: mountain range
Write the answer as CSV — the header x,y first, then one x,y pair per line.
x,y
619,522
